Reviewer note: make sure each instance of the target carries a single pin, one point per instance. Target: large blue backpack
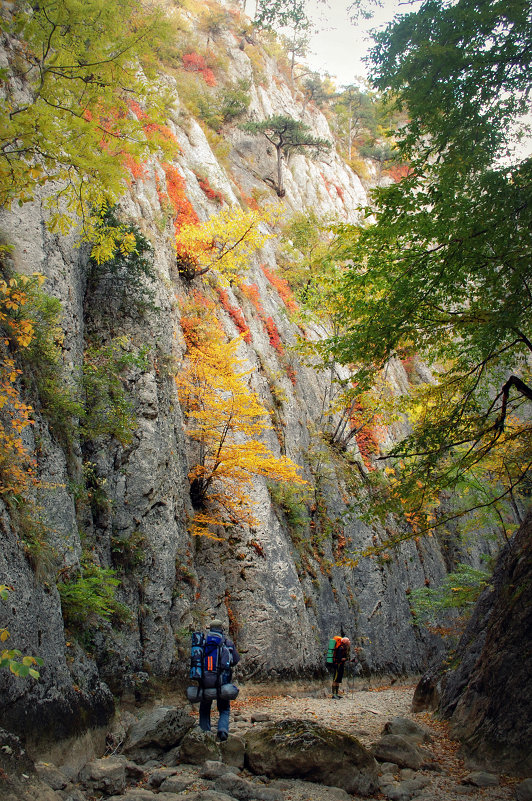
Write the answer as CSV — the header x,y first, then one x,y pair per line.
x,y
210,659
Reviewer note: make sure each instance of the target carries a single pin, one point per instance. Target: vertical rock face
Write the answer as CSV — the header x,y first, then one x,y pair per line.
x,y
488,697
281,589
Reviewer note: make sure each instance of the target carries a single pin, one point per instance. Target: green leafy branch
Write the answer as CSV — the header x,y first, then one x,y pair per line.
x,y
459,591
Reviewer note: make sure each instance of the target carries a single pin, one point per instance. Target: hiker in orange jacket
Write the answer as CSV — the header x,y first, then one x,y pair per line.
x,y
340,657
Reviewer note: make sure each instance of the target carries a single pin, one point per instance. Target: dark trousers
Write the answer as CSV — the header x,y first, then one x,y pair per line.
x,y
338,673
205,714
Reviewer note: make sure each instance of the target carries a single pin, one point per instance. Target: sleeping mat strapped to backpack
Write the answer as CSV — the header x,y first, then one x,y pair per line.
x,y
334,642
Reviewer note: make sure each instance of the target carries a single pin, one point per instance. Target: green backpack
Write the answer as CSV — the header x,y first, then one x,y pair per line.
x,y
334,642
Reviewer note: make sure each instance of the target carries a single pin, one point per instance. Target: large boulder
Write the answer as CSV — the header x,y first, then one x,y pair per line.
x,y
156,733
306,750
488,696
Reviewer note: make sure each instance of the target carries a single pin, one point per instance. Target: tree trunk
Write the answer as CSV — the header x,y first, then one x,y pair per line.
x,y
280,185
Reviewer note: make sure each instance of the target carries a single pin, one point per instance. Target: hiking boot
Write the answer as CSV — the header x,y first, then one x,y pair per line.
x,y
222,736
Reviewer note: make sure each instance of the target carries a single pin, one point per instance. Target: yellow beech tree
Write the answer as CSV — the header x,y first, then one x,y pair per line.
x,y
225,419
224,243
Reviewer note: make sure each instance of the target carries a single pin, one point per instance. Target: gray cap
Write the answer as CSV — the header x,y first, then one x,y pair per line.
x,y
216,624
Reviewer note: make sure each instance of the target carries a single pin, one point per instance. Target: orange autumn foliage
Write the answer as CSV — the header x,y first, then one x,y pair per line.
x,y
235,313
194,62
282,287
208,191
251,291
17,467
198,319
398,171
137,170
367,437
175,197
153,130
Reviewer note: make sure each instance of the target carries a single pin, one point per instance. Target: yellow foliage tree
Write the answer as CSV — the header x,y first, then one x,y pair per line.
x,y
70,107
225,420
224,243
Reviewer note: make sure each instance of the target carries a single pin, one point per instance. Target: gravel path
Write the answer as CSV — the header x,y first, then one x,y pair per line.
x,y
363,711
359,712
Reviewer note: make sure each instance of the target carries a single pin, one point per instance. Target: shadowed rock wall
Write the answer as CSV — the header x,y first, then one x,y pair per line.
x,y
488,697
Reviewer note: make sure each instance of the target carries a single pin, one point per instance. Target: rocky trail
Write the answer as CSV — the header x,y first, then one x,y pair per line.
x,y
416,758
364,711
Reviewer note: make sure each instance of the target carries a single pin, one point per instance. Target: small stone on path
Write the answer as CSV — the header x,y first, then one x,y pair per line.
x,y
394,748
51,776
175,784
136,794
159,775
240,788
213,770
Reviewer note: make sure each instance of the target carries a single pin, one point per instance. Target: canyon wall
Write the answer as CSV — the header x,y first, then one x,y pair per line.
x,y
281,589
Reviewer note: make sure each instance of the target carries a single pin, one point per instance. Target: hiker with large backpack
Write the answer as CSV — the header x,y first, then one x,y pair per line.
x,y
213,657
340,657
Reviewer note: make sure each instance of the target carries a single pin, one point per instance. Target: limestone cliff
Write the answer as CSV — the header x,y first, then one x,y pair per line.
x,y
281,590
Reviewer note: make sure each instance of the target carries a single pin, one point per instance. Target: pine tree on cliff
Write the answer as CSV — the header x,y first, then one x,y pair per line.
x,y
287,136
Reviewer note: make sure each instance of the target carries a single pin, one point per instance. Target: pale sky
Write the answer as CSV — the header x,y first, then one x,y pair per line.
x,y
338,46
